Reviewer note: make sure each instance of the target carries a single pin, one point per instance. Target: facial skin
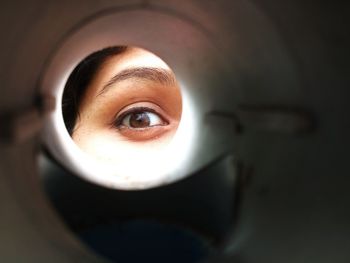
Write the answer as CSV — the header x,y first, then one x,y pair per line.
x,y
130,110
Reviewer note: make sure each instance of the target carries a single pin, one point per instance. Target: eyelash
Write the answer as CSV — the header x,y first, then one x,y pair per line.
x,y
118,123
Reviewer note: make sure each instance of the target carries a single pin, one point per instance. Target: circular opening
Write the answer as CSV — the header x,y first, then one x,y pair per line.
x,y
121,120
187,52
122,107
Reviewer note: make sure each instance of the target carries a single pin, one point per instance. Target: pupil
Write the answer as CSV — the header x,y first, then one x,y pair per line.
x,y
139,120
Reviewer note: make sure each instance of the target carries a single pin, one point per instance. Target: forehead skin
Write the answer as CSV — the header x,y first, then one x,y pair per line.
x,y
131,58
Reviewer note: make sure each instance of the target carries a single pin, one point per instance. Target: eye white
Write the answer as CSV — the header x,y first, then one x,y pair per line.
x,y
154,119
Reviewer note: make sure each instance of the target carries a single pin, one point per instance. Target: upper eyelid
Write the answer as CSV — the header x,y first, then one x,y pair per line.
x,y
138,102
126,108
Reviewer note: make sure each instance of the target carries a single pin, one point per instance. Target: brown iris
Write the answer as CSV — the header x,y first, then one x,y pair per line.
x,y
139,120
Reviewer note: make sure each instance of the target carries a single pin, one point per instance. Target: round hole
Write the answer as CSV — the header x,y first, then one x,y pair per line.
x,y
121,120
177,43
122,107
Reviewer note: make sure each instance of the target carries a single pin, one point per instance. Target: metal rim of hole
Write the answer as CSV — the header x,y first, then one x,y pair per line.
x,y
110,30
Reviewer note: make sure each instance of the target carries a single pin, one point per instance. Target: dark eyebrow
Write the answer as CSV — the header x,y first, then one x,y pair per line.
x,y
162,76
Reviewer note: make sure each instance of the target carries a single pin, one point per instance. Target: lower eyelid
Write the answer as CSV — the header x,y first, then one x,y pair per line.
x,y
123,127
144,134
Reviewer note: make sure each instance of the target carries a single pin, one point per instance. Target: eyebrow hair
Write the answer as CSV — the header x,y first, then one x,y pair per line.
x,y
162,76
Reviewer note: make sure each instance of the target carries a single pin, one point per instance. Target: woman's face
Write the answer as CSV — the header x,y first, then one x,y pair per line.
x,y
130,110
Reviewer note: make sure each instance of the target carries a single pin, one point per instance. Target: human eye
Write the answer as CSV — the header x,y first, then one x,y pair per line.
x,y
141,123
139,118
